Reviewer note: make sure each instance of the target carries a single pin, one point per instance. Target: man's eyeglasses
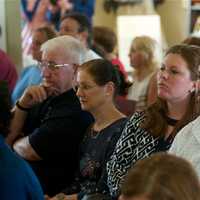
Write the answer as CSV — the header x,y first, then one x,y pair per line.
x,y
51,65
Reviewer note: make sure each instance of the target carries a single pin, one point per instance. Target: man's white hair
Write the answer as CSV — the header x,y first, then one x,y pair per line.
x,y
67,45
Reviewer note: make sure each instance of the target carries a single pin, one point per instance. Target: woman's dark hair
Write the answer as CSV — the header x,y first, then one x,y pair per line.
x,y
156,112
103,71
162,177
5,106
105,37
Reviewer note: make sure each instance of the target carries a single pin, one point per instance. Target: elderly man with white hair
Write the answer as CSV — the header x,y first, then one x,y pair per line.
x,y
48,122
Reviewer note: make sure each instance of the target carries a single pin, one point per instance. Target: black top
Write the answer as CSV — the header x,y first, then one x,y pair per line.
x,y
55,128
96,150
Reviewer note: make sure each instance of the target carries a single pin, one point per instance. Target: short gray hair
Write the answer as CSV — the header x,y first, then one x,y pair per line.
x,y
69,46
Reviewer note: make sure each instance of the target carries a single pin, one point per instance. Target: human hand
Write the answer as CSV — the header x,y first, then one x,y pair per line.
x,y
33,95
60,196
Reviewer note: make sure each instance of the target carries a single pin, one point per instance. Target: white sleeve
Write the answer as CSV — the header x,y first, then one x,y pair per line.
x,y
180,139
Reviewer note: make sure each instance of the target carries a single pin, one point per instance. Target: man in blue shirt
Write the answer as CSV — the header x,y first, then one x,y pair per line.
x,y
31,75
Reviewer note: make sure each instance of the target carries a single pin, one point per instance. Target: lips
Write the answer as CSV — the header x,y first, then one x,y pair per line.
x,y
82,101
162,85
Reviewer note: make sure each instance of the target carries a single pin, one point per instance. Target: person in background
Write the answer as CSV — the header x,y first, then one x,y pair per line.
x,y
77,25
17,180
153,130
144,60
106,39
104,43
33,15
98,82
48,123
161,177
8,70
84,6
31,75
192,40
58,9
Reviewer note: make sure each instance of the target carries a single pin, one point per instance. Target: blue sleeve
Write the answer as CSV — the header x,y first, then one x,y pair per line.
x,y
29,76
34,190
86,7
29,14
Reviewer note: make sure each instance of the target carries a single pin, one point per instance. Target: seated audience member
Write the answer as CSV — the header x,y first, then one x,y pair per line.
x,y
192,40
98,82
106,39
78,26
17,180
144,60
187,144
50,117
8,70
31,75
161,177
154,129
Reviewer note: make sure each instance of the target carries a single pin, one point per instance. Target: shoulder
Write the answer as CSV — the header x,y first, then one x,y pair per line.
x,y
136,119
187,136
116,128
133,130
91,55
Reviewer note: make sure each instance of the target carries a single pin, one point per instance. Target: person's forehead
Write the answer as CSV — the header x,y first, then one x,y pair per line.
x,y
56,56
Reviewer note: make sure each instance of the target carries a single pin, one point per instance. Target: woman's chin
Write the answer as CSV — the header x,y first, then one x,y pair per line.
x,y
84,107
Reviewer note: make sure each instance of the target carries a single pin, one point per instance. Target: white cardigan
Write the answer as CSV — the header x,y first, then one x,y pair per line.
x,y
187,144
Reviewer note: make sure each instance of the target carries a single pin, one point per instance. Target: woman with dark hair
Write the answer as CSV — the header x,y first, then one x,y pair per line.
x,y
154,129
161,177
98,82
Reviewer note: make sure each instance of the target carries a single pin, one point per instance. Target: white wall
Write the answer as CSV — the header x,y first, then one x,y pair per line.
x,y
2,24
